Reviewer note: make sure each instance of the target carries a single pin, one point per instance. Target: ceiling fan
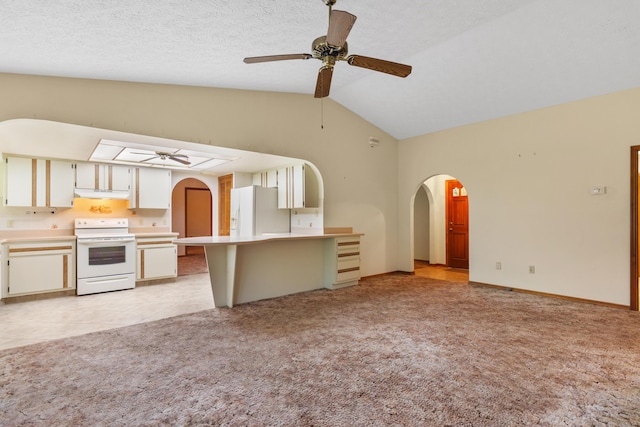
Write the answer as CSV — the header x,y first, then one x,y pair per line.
x,y
332,48
162,155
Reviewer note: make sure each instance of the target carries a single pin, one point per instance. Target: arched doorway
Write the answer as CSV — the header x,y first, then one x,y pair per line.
x,y
437,221
191,215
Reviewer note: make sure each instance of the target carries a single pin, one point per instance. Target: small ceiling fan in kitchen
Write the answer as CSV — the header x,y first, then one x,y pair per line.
x,y
163,155
332,48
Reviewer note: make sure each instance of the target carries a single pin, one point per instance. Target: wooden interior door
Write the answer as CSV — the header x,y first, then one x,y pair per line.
x,y
224,204
457,214
198,217
635,229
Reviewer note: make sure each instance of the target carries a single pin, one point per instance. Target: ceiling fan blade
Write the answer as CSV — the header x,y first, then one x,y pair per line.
x,y
177,158
324,82
340,24
269,58
381,65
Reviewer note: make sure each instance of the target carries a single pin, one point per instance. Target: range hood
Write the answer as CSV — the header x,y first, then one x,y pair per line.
x,y
88,193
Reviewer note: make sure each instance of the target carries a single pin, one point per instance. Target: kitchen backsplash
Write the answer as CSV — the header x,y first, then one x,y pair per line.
x,y
13,219
306,221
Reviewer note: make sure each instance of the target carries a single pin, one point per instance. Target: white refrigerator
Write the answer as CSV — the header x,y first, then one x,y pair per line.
x,y
254,210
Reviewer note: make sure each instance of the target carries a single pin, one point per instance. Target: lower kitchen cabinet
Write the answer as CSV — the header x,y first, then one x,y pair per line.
x,y
342,262
157,258
38,267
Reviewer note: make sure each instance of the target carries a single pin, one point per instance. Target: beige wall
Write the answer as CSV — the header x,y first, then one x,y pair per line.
x,y
529,178
360,183
528,175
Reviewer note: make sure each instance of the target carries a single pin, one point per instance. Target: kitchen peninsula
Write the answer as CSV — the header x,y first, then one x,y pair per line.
x,y
245,269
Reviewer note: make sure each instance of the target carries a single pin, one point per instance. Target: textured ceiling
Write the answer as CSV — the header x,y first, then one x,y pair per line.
x,y
472,60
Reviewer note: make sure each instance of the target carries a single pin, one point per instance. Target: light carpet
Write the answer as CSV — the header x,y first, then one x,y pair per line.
x,y
397,350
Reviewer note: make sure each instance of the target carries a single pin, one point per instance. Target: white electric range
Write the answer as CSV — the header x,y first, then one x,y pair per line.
x,y
106,255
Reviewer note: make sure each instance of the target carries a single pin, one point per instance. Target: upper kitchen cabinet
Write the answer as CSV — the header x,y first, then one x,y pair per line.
x,y
38,182
151,189
267,179
102,177
297,187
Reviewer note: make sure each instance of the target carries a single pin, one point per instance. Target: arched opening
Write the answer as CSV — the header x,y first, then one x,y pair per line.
x,y
440,229
191,215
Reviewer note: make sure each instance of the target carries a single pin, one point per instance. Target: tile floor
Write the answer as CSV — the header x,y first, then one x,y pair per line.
x,y
31,322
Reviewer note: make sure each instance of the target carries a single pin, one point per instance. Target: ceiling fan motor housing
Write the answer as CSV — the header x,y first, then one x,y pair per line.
x,y
326,53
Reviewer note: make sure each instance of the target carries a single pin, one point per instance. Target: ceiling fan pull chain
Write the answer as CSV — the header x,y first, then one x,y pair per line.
x,y
321,113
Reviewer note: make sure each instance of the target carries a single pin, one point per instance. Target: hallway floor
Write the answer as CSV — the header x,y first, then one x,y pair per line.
x,y
441,272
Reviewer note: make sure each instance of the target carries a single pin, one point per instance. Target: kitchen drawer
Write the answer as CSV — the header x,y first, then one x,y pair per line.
x,y
343,262
348,263
348,269
342,242
346,251
349,274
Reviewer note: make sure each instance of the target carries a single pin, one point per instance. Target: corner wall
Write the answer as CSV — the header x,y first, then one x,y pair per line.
x,y
529,178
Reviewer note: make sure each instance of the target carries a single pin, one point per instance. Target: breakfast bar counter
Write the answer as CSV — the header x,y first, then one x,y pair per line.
x,y
245,269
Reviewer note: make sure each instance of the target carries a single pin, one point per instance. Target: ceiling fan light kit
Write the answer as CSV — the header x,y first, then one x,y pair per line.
x,y
333,47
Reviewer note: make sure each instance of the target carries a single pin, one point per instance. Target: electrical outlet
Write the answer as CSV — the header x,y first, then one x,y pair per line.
x,y
498,265
532,269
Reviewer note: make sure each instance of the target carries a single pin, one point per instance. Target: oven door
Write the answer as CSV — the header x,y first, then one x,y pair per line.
x,y
105,257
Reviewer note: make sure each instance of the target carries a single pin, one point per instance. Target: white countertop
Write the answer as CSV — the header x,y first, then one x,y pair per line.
x,y
27,239
156,234
267,237
32,236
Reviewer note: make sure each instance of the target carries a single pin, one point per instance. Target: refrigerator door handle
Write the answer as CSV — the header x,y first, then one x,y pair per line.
x,y
234,219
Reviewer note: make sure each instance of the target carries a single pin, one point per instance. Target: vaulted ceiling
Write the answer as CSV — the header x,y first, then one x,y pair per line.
x,y
472,60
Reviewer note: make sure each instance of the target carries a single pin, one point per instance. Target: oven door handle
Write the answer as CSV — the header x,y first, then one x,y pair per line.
x,y
104,242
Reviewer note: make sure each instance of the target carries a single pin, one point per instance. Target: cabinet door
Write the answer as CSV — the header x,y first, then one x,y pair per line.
x,y
61,182
158,262
311,188
284,190
52,273
267,179
119,178
272,178
19,181
39,182
87,176
291,187
153,189
297,186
